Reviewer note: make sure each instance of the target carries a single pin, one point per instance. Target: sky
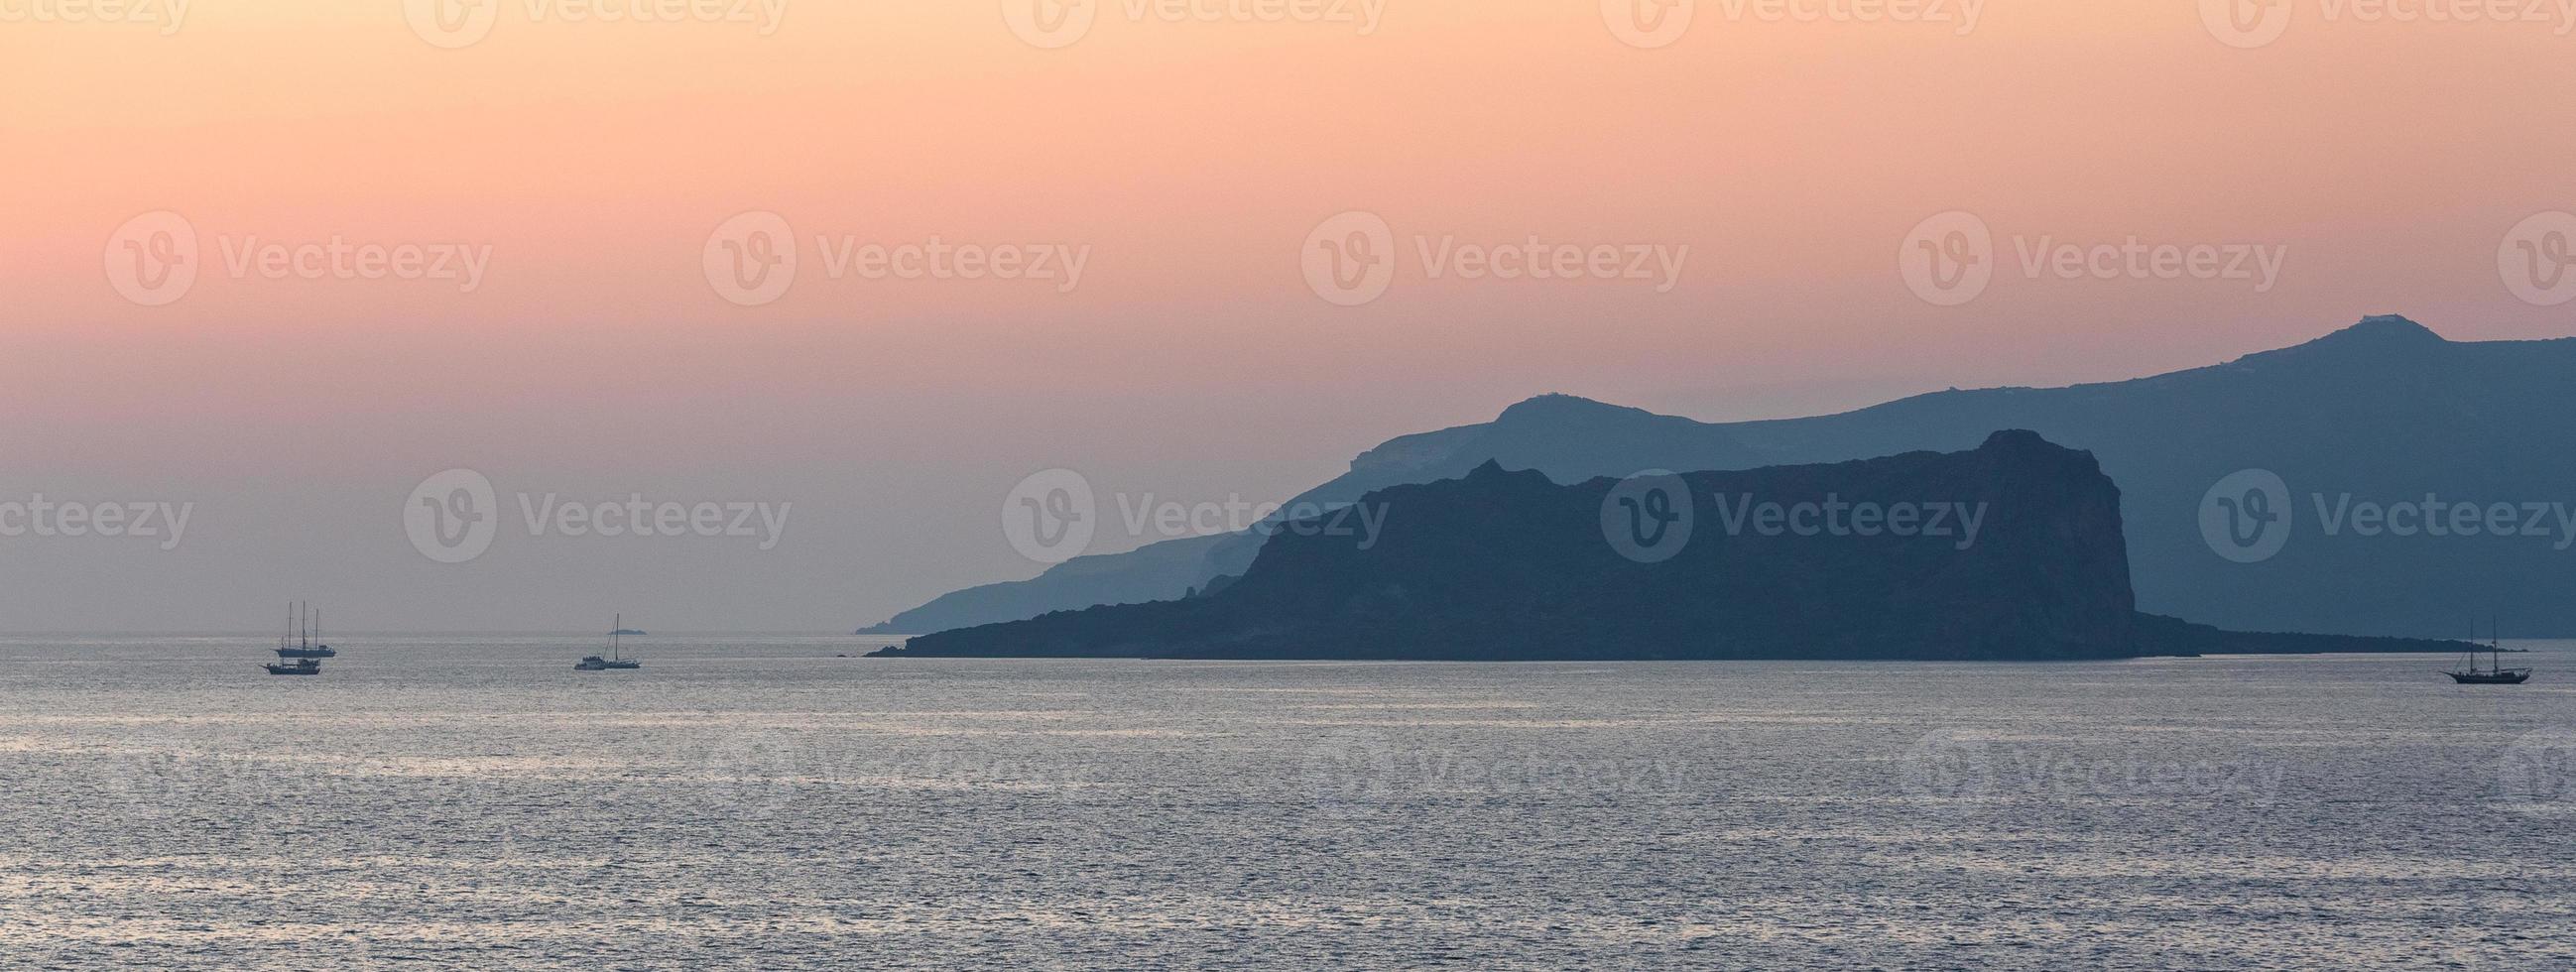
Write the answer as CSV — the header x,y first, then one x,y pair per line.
x,y
847,275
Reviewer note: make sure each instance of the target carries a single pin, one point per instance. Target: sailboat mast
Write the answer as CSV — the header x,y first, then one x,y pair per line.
x,y
615,628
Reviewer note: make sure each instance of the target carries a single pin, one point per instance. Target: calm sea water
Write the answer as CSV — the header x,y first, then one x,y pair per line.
x,y
758,803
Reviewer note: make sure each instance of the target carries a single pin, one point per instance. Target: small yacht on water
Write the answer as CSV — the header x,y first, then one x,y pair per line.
x,y
301,666
2494,673
613,660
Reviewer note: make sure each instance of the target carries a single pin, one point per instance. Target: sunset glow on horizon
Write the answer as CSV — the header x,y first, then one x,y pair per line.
x,y
420,240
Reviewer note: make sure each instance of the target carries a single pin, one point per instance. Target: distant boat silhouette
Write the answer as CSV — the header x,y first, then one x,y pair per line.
x,y
304,641
301,666
613,660
2495,673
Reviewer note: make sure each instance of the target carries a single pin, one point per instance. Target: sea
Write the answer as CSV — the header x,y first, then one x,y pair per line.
x,y
763,802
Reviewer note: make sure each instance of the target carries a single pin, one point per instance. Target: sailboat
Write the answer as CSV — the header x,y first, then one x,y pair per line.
x,y
297,643
2494,673
613,660
310,645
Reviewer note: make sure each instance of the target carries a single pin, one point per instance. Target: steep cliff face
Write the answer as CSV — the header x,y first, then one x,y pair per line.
x,y
2009,551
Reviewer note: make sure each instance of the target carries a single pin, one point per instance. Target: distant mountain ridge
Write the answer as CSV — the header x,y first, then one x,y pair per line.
x,y
2384,412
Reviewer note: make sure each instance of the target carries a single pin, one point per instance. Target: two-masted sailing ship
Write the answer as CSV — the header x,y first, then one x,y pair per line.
x,y
2494,672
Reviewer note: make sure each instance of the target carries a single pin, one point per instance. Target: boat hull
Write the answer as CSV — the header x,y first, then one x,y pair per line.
x,y
2515,677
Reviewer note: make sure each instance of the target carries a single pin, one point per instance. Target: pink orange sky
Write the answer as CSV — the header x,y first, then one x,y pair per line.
x,y
2385,160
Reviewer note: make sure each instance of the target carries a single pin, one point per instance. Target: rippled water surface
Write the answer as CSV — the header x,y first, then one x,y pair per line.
x,y
759,803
